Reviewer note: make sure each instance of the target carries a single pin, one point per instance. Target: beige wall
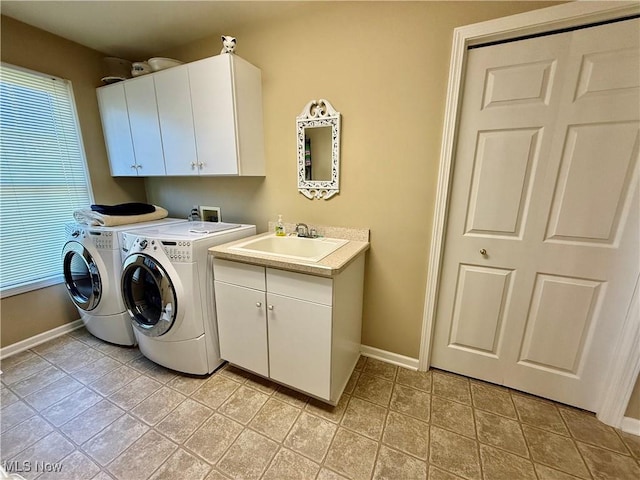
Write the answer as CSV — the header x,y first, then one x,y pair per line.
x,y
31,313
384,66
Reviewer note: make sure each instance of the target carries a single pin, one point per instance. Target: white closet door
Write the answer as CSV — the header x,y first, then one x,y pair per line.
x,y
541,254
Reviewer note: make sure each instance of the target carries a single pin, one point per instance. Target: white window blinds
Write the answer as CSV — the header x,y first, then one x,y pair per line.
x,y
43,177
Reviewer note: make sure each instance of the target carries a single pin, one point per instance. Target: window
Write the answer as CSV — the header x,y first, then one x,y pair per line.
x,y
43,177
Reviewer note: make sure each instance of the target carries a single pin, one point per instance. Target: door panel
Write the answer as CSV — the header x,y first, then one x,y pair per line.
x,y
546,183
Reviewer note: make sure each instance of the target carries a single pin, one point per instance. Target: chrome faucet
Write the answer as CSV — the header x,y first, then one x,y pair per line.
x,y
302,230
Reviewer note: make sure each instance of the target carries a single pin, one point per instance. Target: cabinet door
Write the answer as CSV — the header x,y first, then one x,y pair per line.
x,y
117,134
145,129
176,121
242,326
300,344
212,101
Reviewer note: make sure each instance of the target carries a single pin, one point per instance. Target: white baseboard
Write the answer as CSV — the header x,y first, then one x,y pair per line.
x,y
389,357
31,342
630,425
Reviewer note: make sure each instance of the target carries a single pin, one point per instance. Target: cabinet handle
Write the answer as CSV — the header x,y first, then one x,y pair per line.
x,y
270,307
258,304
193,165
201,165
133,166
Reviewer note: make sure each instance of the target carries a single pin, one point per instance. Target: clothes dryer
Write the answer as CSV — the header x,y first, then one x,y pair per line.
x,y
92,266
167,288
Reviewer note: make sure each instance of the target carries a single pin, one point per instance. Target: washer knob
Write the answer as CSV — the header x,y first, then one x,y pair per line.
x,y
143,243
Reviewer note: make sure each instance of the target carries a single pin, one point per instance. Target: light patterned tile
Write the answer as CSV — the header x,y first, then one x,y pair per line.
x,y
248,457
134,392
37,381
360,363
584,426
326,411
262,384
158,405
10,362
54,392
351,384
20,371
548,473
539,413
291,397
365,418
493,399
410,401
501,432
415,379
605,464
437,474
288,465
7,397
311,436
243,404
114,380
83,335
115,439
67,408
275,419
373,389
94,370
122,354
352,455
407,434
234,373
182,465
392,465
75,466
91,421
555,451
632,442
213,438
14,414
186,384
27,433
501,465
452,387
57,343
378,368
215,391
452,416
144,456
326,474
49,450
76,359
153,370
454,453
184,420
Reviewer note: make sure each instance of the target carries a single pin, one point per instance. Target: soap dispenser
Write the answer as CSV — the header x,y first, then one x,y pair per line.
x,y
194,216
280,227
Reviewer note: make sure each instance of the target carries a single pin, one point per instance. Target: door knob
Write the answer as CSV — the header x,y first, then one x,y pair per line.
x,y
483,252
258,304
270,307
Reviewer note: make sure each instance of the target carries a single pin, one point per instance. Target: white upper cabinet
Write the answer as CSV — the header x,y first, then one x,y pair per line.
x,y
145,128
202,118
176,121
117,133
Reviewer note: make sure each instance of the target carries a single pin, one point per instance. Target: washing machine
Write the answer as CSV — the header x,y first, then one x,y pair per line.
x,y
92,266
167,288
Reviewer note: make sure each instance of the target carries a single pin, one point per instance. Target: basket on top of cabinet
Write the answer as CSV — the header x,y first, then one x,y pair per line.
x,y
200,118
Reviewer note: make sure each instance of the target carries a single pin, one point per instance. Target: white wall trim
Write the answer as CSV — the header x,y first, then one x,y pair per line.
x,y
31,342
537,21
389,357
630,425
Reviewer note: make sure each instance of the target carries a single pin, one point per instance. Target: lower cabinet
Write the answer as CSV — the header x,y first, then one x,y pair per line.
x,y
299,330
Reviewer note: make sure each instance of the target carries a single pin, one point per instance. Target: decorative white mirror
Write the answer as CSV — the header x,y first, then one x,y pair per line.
x,y
318,130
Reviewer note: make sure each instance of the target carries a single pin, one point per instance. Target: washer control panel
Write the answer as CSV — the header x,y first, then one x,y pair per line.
x,y
102,240
178,251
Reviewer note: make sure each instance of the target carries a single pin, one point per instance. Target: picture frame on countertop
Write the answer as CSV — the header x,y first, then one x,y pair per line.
x,y
210,214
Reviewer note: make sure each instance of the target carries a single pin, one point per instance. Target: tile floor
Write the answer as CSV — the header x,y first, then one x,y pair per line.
x,y
100,412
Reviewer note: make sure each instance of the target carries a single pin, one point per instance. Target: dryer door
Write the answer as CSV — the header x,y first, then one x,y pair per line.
x,y
148,294
81,276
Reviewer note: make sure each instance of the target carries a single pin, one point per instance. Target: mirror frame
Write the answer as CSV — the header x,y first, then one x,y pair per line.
x,y
319,113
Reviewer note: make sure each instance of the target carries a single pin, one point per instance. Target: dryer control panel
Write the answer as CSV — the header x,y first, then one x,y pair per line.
x,y
102,240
